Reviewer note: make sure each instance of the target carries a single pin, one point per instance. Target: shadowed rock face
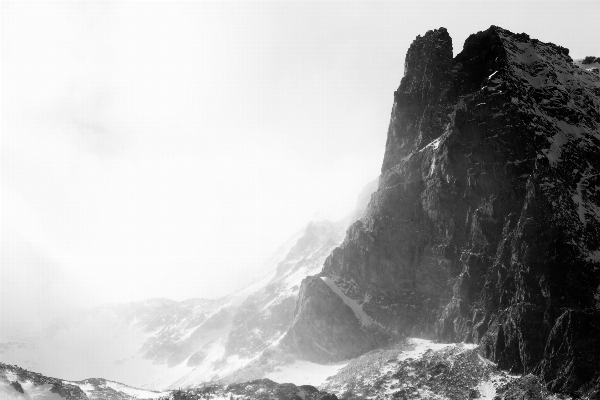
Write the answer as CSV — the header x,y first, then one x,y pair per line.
x,y
486,223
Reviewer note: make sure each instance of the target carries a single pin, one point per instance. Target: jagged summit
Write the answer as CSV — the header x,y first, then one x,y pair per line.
x,y
486,224
425,79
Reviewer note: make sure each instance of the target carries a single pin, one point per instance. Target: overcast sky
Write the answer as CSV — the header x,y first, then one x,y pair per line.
x,y
165,149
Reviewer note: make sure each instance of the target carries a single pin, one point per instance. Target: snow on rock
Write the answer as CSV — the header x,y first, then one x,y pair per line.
x,y
419,369
486,390
87,387
353,304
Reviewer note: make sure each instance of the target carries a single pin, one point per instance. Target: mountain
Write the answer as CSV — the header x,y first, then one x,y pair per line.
x,y
19,383
485,227
161,343
471,272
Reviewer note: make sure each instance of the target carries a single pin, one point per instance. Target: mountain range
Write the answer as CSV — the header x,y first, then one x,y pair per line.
x,y
469,270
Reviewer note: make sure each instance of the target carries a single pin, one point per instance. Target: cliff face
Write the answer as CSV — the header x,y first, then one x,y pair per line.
x,y
486,223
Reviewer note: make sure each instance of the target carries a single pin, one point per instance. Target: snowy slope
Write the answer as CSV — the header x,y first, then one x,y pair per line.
x,y
263,318
419,369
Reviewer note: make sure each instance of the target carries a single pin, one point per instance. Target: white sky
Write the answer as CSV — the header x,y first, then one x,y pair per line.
x,y
165,149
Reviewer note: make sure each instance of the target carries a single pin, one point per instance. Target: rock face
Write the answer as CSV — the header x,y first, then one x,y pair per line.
x,y
485,226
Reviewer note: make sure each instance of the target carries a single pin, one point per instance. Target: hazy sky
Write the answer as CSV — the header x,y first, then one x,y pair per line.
x,y
165,149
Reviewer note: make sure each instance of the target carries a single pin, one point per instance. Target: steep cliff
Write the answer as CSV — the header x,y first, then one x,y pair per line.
x,y
485,227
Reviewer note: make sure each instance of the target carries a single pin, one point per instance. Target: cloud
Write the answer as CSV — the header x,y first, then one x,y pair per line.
x,y
33,287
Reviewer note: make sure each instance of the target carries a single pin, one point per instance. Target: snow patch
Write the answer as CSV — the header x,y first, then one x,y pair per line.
x,y
434,144
134,392
556,142
594,256
485,360
353,304
486,389
305,373
421,346
88,388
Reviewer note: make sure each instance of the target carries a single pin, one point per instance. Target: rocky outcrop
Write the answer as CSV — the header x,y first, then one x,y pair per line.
x,y
591,60
486,223
13,379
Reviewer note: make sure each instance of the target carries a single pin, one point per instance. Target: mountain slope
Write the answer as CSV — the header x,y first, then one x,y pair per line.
x,y
263,318
161,343
19,383
486,223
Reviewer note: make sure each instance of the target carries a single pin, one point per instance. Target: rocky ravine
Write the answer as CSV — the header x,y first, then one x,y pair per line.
x,y
486,224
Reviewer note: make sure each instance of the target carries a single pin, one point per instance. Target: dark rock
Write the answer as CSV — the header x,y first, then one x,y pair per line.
x,y
17,386
572,354
326,328
590,60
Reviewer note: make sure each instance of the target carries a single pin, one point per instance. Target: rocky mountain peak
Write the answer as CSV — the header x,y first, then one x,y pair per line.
x,y
428,55
414,120
485,226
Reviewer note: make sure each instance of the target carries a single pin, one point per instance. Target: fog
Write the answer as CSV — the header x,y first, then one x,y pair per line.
x,y
167,149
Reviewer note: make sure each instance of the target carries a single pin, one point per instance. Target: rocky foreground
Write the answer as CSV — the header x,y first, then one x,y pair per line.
x,y
410,369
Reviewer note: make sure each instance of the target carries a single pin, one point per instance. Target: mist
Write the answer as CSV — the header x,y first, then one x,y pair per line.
x,y
167,149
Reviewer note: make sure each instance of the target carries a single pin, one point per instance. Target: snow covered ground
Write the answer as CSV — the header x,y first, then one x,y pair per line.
x,y
131,391
419,369
422,345
305,373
